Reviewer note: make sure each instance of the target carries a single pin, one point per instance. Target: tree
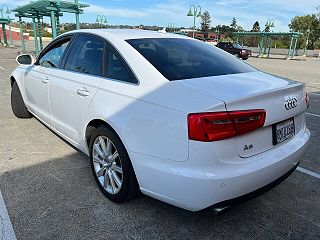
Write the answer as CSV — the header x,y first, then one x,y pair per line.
x,y
253,41
302,24
256,27
233,24
205,21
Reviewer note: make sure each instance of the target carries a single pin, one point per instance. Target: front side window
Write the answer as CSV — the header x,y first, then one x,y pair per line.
x,y
52,58
86,55
117,70
180,58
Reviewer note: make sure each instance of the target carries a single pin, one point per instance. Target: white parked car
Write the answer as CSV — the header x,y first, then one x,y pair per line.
x,y
173,117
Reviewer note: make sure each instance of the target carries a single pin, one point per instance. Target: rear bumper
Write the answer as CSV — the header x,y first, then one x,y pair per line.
x,y
202,182
245,55
256,193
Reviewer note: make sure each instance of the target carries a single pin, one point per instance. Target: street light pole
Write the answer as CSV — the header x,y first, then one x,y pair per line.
x,y
3,24
101,19
1,10
171,27
196,12
269,25
11,43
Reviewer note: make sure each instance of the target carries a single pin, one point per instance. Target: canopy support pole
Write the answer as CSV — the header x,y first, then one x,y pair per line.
x,y
289,51
53,25
35,35
5,40
40,33
58,24
261,46
77,16
270,44
23,48
11,43
295,47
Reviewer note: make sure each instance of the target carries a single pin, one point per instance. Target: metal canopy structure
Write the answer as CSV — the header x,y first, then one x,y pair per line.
x,y
266,41
54,9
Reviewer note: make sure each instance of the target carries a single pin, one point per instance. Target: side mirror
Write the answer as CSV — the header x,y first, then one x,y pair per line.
x,y
25,59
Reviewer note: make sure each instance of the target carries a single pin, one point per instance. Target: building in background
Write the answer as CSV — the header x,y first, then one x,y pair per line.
x,y
16,35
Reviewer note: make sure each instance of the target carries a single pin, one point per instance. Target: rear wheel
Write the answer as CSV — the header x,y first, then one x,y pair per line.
x,y
111,166
17,105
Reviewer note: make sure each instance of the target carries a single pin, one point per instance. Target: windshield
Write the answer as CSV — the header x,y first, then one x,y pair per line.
x,y
236,45
178,58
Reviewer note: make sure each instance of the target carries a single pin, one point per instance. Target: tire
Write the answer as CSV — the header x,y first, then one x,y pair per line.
x,y
246,58
129,187
17,105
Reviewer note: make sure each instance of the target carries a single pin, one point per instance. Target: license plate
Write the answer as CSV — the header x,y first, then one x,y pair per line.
x,y
283,131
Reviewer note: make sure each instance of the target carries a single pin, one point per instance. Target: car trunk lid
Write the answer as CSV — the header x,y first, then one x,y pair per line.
x,y
282,99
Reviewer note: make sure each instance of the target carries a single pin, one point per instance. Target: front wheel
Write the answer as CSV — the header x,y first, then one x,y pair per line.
x,y
18,107
111,166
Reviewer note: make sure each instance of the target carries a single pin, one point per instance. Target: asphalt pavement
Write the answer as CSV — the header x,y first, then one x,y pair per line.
x,y
49,191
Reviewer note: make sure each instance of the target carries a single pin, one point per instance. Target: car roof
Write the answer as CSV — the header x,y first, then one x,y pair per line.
x,y
125,34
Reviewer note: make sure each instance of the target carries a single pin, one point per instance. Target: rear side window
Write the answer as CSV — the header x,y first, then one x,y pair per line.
x,y
117,68
178,58
86,55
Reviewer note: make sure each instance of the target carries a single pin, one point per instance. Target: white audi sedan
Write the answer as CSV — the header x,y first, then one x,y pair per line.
x,y
173,117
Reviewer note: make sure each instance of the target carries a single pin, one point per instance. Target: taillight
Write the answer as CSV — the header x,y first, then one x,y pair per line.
x,y
208,127
307,99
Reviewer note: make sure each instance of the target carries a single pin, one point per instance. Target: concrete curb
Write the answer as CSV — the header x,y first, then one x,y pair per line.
x,y
6,230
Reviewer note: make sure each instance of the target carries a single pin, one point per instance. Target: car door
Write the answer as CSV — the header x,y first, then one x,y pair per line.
x,y
36,82
231,49
73,88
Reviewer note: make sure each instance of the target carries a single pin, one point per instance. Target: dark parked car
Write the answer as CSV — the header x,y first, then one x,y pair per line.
x,y
235,49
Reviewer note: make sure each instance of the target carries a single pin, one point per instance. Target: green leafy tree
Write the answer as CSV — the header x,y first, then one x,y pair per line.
x,y
254,40
233,24
205,21
302,24
256,27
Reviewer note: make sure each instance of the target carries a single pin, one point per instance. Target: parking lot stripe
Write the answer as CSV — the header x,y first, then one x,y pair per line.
x,y
6,230
2,68
313,174
312,114
317,94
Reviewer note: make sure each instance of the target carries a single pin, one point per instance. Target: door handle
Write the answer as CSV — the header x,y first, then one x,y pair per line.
x,y
84,92
45,80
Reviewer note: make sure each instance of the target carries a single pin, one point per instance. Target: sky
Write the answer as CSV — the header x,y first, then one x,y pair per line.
x,y
163,12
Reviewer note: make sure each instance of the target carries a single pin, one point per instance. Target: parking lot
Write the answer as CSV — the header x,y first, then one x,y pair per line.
x,y
50,193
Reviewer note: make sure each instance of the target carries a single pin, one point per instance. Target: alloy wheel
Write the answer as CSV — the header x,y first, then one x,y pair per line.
x,y
107,164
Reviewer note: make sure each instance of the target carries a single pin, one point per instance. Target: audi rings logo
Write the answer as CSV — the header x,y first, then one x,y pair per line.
x,y
290,103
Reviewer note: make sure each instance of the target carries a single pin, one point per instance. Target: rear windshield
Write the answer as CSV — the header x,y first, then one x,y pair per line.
x,y
178,58
236,45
